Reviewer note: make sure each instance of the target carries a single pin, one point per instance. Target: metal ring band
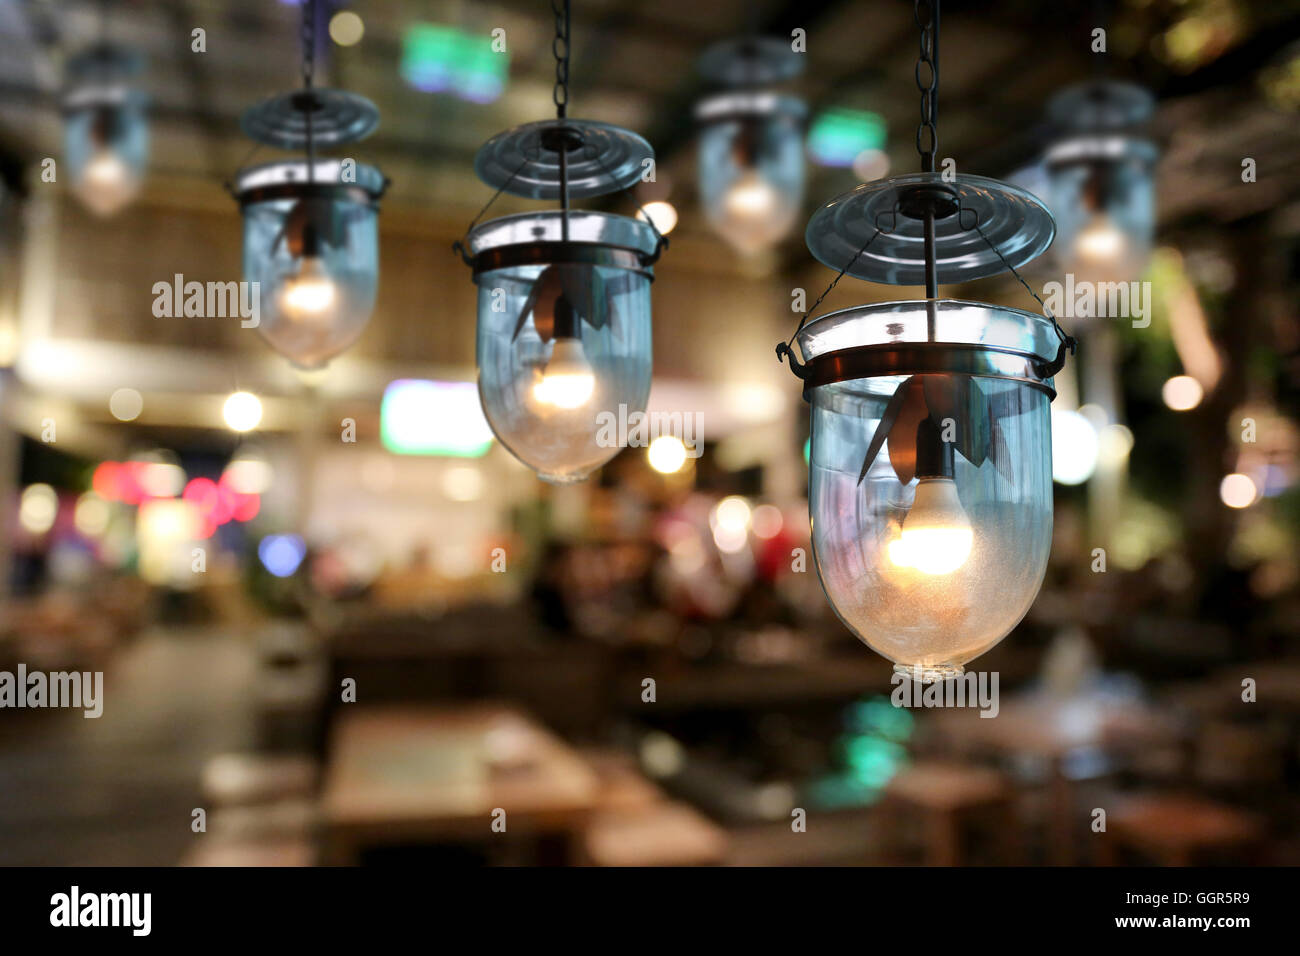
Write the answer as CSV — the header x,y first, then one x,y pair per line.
x,y
310,190
921,358
546,253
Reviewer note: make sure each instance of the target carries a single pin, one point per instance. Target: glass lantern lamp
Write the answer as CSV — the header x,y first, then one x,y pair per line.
x,y
106,129
310,223
930,480
751,158
1101,174
563,341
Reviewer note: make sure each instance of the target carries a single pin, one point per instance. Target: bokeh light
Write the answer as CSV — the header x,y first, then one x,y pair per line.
x,y
242,411
667,454
1182,392
1238,490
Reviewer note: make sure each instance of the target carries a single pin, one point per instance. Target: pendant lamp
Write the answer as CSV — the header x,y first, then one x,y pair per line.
x,y
563,337
105,127
311,223
930,486
751,155
1101,168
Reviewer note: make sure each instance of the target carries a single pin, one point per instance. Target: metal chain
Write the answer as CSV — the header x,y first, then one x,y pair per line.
x,y
308,77
560,50
783,349
458,247
1068,342
928,23
308,42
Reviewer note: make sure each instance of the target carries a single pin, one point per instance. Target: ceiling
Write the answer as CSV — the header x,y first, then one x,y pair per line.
x,y
1226,74
634,64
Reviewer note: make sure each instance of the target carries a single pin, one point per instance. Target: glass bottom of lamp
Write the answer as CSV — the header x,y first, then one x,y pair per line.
x,y
563,479
929,673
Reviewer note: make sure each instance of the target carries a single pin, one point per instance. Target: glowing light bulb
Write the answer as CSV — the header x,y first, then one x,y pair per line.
x,y
309,294
106,170
568,381
1101,241
936,536
106,183
750,198
753,213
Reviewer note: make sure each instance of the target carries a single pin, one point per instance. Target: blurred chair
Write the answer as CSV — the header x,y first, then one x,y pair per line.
x,y
1177,830
262,811
292,669
949,797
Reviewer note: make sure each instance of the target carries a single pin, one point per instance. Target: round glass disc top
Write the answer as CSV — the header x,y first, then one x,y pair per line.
x,y
336,117
1014,221
525,161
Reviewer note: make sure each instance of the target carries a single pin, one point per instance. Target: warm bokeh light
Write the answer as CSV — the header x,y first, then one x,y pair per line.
x,y
166,522
661,214
732,513
730,521
92,515
160,479
126,404
1238,491
667,454
462,483
242,411
347,28
1074,447
1114,442
249,473
38,508
767,521
871,164
1182,392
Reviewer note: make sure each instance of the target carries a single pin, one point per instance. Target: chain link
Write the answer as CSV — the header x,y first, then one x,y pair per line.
x,y
560,50
1068,343
926,13
783,349
308,42
308,77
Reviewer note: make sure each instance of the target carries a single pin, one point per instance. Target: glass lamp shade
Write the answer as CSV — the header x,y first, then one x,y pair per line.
x,y
313,249
563,345
106,146
1102,194
930,475
751,166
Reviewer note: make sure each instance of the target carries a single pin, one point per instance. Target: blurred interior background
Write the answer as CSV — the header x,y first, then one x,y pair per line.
x,y
341,619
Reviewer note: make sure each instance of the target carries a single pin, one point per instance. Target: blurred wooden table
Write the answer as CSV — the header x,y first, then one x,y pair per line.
x,y
411,775
1175,830
1051,729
